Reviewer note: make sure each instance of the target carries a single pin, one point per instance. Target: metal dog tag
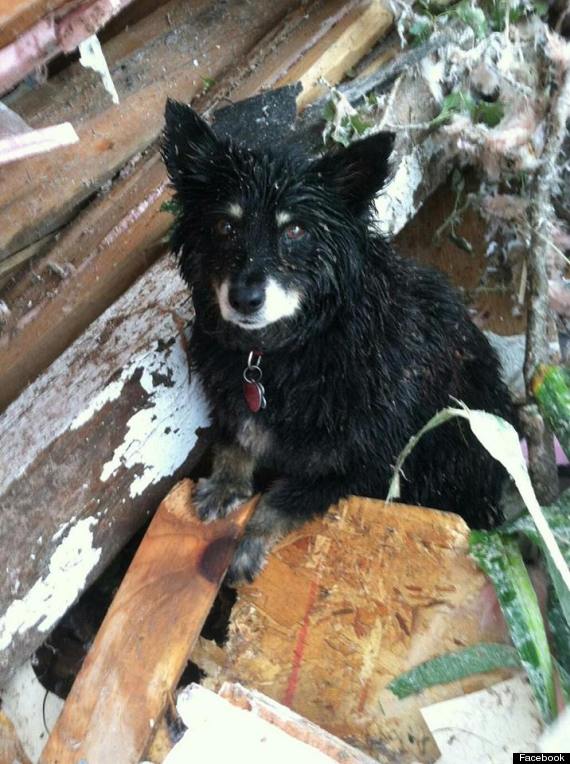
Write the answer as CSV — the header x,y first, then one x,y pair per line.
x,y
253,390
254,394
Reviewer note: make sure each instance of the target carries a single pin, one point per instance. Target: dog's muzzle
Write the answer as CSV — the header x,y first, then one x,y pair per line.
x,y
254,305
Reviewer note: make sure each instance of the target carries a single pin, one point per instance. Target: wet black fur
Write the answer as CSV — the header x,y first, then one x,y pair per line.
x,y
379,345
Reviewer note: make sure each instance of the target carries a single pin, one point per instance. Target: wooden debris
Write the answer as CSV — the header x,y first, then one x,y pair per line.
x,y
106,248
18,15
343,47
260,729
53,34
36,142
147,635
349,602
30,207
11,751
87,453
293,724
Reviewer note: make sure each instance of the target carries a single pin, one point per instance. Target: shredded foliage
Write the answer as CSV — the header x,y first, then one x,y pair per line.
x,y
451,667
500,558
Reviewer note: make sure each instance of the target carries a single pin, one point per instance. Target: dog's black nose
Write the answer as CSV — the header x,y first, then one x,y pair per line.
x,y
246,299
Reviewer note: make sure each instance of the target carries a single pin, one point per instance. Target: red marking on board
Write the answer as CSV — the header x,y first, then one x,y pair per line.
x,y
299,648
363,697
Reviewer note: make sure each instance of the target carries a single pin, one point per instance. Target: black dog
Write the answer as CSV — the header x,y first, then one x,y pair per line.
x,y
357,347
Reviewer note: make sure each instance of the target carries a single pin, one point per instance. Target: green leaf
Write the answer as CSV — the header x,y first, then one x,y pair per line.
x,y
558,518
501,560
474,18
171,206
451,667
209,83
564,678
551,388
559,631
420,30
488,113
359,125
454,103
329,111
540,7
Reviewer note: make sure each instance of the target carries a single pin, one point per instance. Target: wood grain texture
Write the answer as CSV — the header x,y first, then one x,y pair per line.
x,y
89,450
144,642
338,51
18,15
346,604
42,193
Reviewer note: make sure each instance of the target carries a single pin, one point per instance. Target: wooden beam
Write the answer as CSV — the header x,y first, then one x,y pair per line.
x,y
146,638
41,193
343,47
18,15
91,264
347,603
89,450
53,34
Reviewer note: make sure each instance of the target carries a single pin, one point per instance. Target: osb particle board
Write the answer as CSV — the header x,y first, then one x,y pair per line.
x,y
348,603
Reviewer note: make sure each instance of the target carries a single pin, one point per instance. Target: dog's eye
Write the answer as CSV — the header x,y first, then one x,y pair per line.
x,y
224,227
294,232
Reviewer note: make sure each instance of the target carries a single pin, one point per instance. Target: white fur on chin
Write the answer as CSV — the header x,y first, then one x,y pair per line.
x,y
279,303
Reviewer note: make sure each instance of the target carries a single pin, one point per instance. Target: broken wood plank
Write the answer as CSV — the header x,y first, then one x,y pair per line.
x,y
349,602
42,193
11,750
87,453
297,726
53,34
343,47
254,725
91,264
18,15
144,642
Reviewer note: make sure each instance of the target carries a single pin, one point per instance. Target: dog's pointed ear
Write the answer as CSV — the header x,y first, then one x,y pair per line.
x,y
186,139
359,171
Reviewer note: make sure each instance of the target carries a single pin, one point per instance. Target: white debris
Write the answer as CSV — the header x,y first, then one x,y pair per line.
x,y
486,726
92,57
26,703
258,741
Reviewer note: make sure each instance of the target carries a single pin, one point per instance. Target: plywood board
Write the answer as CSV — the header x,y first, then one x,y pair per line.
x,y
351,601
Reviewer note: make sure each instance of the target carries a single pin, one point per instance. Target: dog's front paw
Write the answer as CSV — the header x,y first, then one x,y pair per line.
x,y
214,499
249,559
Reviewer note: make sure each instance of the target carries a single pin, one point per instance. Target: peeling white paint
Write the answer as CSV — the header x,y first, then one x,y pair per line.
x,y
109,393
41,413
51,596
160,436
396,204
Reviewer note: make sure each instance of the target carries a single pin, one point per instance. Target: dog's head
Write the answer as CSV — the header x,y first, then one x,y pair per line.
x,y
270,242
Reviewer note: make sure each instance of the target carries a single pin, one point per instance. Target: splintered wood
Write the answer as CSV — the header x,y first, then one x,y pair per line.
x,y
347,604
146,637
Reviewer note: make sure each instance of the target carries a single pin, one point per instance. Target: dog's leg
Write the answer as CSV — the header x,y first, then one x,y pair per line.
x,y
288,504
229,485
